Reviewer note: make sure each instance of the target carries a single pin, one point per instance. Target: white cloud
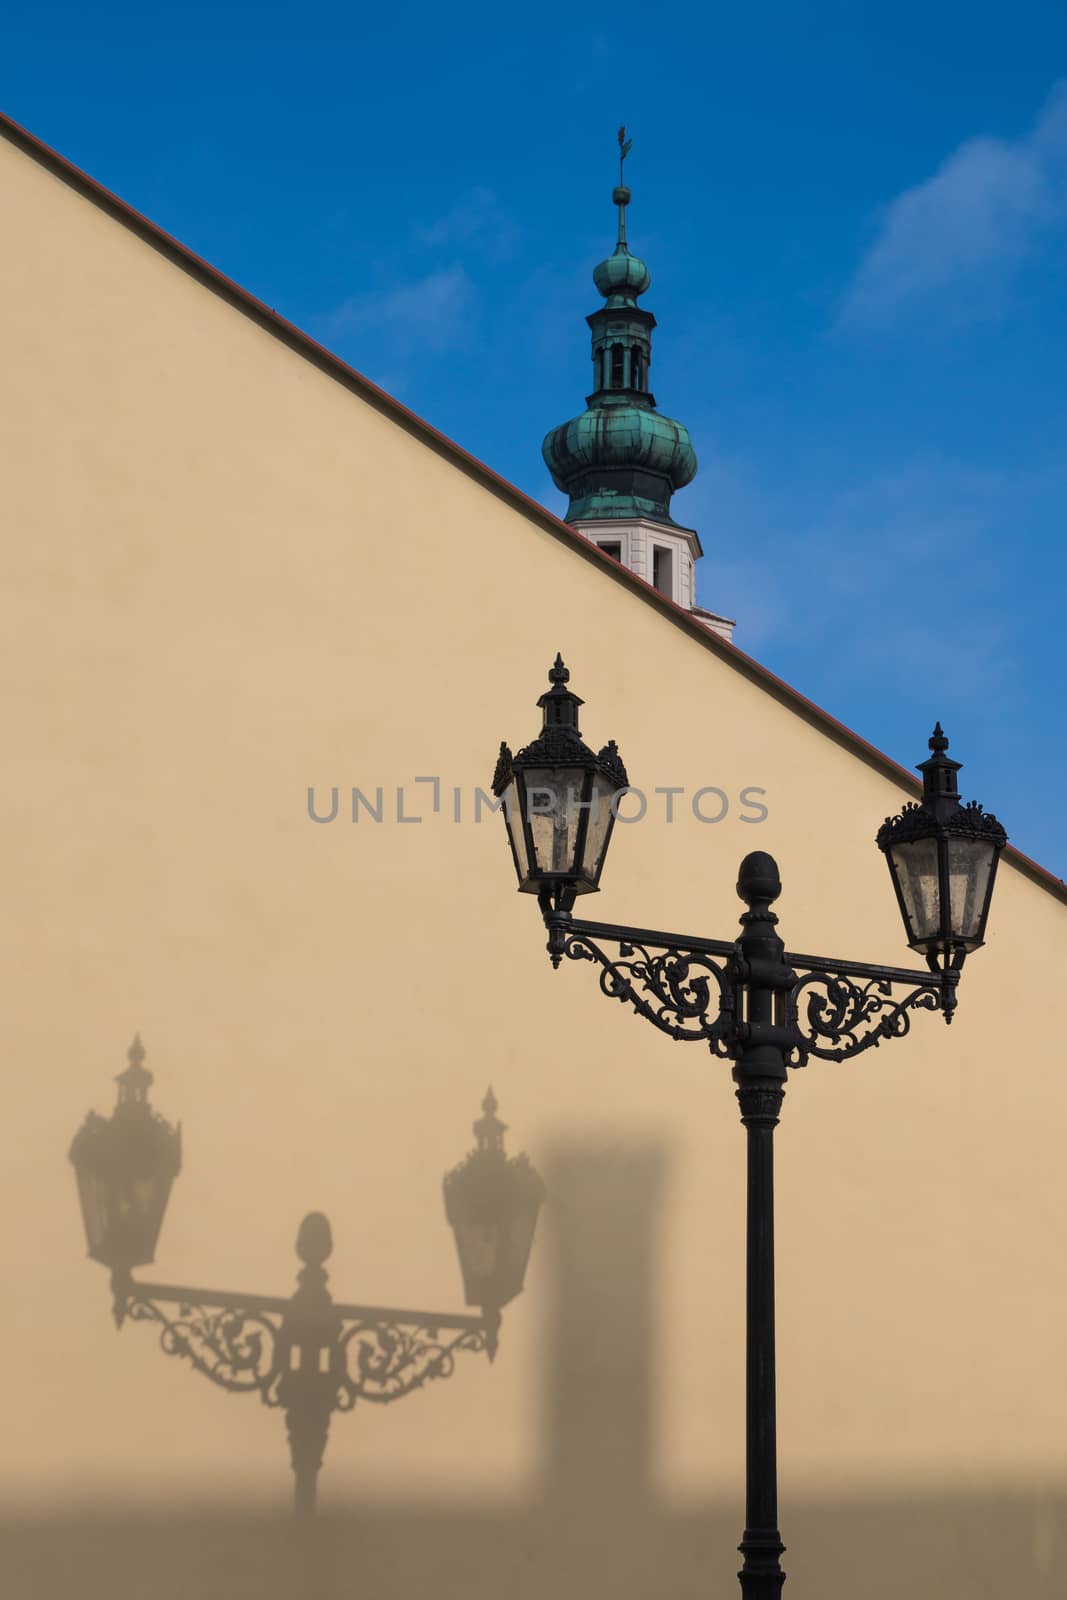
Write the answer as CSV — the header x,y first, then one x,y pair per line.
x,y
432,313
964,229
900,575
475,220
424,308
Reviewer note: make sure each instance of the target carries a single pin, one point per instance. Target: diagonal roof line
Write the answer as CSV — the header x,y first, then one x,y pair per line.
x,y
331,364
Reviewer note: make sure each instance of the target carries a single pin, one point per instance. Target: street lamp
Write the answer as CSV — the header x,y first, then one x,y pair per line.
x,y
558,799
943,861
306,1354
748,1000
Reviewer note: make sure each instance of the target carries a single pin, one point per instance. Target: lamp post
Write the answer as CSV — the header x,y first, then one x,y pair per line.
x,y
749,1000
307,1354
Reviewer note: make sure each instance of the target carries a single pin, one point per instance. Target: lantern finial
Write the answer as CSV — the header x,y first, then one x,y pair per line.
x,y
559,705
758,880
941,791
135,1082
489,1130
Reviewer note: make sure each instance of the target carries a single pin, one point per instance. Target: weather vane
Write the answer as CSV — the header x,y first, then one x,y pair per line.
x,y
621,196
624,150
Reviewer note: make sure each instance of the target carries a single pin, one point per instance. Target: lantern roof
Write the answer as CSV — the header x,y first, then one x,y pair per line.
x,y
488,1184
941,813
560,743
135,1139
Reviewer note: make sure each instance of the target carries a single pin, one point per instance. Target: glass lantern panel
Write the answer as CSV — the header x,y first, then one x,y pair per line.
x,y
600,820
151,1201
127,1224
93,1211
970,862
144,1198
519,1244
553,806
916,872
513,819
478,1251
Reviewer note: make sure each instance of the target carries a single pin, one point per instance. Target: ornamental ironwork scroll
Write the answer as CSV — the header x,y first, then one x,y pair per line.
x,y
385,1360
837,1017
374,1356
694,990
234,1348
685,993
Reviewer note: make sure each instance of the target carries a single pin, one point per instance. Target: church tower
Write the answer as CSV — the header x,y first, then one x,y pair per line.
x,y
621,460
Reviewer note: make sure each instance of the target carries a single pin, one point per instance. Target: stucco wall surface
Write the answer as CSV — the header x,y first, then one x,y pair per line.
x,y
227,578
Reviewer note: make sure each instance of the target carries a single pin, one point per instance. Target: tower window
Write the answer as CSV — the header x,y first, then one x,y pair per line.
x,y
663,570
637,375
618,356
614,550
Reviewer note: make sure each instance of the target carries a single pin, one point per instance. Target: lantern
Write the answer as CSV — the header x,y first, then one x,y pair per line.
x,y
559,798
125,1165
943,858
492,1202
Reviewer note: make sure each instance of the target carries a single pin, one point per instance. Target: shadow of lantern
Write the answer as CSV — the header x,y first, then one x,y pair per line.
x,y
307,1355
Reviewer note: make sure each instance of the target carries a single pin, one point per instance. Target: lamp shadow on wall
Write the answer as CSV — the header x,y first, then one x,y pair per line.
x,y
592,1525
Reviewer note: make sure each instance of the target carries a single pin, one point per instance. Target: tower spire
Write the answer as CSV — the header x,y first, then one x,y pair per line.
x,y
621,460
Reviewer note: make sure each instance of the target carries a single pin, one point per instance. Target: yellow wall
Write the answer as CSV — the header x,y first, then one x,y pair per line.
x,y
227,578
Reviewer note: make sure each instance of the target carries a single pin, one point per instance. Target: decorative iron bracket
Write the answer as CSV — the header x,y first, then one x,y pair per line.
x,y
695,989
247,1343
307,1355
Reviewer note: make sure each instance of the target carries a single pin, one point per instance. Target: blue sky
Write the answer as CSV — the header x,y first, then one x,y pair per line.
x,y
856,222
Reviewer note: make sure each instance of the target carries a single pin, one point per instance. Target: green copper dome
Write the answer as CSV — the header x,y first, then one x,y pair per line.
x,y
620,461
623,275
620,458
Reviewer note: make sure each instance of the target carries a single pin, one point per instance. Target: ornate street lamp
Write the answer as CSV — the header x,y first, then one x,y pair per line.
x,y
943,858
765,1010
558,799
307,1355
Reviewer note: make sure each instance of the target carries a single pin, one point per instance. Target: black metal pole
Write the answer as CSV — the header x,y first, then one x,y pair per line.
x,y
761,1544
760,1073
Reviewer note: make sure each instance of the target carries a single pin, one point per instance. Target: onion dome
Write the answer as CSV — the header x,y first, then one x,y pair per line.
x,y
621,277
620,458
620,461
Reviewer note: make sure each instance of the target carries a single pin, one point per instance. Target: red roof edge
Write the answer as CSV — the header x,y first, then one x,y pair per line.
x,y
302,342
